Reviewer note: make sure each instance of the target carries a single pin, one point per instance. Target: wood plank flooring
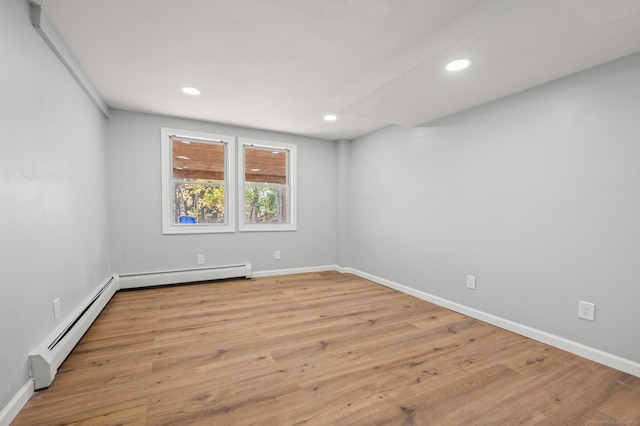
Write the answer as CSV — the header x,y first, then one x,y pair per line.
x,y
317,349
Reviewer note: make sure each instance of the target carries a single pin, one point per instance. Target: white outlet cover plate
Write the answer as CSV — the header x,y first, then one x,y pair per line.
x,y
587,310
200,259
471,282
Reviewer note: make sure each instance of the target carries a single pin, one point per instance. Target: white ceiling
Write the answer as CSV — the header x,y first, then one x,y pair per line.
x,y
282,64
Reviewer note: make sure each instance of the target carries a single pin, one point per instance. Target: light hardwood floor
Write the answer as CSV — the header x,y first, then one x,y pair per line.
x,y
317,349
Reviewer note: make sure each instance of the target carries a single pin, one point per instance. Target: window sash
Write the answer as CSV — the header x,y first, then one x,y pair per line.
x,y
198,181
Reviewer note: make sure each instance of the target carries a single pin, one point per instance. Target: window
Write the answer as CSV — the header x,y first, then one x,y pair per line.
x,y
267,175
198,182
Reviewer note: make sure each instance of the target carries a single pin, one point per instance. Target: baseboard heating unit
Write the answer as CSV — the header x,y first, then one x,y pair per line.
x,y
150,279
45,360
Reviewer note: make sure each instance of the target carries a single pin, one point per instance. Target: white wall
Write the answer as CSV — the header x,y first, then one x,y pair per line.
x,y
138,244
53,205
538,195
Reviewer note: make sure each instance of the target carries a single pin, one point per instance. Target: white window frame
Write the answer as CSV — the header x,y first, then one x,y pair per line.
x,y
168,227
291,179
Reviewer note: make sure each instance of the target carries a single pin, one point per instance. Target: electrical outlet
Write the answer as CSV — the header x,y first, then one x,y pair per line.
x,y
201,259
276,255
587,310
471,282
56,309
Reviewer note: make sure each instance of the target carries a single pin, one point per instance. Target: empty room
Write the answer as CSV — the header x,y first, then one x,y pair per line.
x,y
336,212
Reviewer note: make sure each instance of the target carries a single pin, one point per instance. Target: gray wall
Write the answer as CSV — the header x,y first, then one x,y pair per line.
x,y
342,169
53,204
138,244
538,195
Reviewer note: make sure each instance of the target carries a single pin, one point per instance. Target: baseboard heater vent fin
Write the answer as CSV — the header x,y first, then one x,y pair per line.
x,y
45,360
150,279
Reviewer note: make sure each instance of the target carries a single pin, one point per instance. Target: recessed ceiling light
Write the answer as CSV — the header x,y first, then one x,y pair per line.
x,y
255,170
330,117
458,64
191,91
275,152
183,157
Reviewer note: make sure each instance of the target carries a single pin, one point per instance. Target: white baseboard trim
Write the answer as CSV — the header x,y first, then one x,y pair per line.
x,y
277,272
9,413
575,348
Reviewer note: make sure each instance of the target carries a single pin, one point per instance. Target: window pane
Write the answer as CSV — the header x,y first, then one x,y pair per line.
x,y
195,203
197,160
265,165
266,203
198,182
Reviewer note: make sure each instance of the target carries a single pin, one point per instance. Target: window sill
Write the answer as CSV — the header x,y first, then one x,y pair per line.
x,y
268,227
197,229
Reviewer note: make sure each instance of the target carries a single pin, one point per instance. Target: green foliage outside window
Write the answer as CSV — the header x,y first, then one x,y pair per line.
x,y
203,202
260,204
